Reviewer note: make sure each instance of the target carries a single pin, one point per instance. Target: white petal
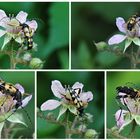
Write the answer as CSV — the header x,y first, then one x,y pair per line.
x,y
77,85
21,17
119,116
50,105
123,100
57,88
86,96
120,22
20,88
26,101
116,39
2,32
2,14
32,24
4,22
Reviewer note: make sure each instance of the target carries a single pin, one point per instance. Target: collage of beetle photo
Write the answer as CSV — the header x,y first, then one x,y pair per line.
x,y
69,69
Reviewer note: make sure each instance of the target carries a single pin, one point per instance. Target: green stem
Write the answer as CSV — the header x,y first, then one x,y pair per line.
x,y
50,119
68,136
133,59
12,59
73,125
137,55
131,135
112,134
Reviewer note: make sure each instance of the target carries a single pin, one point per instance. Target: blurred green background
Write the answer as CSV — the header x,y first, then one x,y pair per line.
x,y
26,79
93,81
115,79
95,22
52,34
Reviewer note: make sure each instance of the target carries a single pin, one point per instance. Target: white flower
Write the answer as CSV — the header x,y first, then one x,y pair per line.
x,y
8,110
60,92
120,118
133,104
123,117
7,103
129,36
11,26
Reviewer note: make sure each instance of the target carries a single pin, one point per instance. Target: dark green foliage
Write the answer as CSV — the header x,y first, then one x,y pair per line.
x,y
52,36
26,79
93,81
115,79
95,22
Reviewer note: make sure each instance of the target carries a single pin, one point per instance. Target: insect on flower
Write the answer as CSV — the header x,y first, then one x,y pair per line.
x,y
12,98
131,23
71,98
129,97
130,30
18,28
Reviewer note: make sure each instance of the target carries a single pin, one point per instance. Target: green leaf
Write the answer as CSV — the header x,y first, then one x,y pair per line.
x,y
72,109
127,44
127,120
1,126
84,55
59,27
137,119
17,118
62,111
64,59
103,59
5,116
136,41
7,39
19,40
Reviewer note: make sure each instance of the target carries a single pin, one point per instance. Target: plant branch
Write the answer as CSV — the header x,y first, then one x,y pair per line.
x,y
114,134
12,59
50,118
67,134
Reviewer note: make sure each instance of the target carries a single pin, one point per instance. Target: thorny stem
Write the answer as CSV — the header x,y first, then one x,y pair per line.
x,y
6,132
20,51
69,128
50,119
12,59
118,52
74,122
133,59
73,125
68,136
114,134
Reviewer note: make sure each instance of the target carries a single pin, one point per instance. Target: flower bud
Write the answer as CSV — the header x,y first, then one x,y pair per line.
x,y
82,127
36,63
90,134
100,45
27,57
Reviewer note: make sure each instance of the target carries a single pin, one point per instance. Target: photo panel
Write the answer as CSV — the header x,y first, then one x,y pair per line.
x,y
123,104
34,35
105,35
70,104
17,105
